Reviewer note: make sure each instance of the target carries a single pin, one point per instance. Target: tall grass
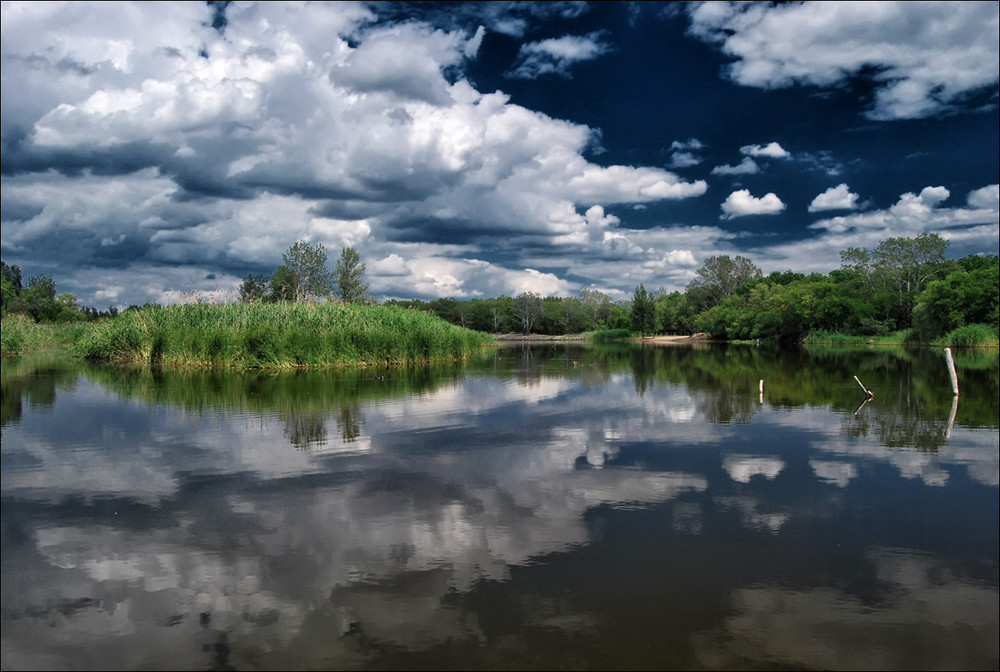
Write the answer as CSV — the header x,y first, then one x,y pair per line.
x,y
606,335
20,333
278,335
824,337
971,336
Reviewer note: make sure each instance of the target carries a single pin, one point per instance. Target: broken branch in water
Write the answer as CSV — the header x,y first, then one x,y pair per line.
x,y
868,393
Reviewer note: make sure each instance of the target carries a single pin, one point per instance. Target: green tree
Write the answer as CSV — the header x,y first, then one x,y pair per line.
x,y
68,310
643,311
10,280
895,272
960,298
595,306
672,313
720,277
306,265
254,288
39,298
528,310
282,285
349,276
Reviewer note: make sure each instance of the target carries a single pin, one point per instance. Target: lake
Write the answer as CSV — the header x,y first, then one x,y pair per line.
x,y
554,506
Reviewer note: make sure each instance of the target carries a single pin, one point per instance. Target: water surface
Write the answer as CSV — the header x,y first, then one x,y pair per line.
x,y
546,507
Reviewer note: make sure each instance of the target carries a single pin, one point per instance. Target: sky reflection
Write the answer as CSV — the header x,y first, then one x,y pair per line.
x,y
135,532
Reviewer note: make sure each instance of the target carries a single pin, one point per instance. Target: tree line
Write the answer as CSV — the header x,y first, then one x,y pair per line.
x,y
902,284
37,299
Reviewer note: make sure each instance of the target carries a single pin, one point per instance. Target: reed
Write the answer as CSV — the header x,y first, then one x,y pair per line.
x,y
971,336
606,335
278,335
824,337
20,333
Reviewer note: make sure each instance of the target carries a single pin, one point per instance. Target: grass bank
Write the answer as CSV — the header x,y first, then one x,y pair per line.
x,y
969,336
278,335
19,334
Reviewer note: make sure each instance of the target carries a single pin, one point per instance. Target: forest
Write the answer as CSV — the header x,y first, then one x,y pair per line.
x,y
904,286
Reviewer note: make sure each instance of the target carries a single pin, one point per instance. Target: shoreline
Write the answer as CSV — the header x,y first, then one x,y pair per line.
x,y
545,338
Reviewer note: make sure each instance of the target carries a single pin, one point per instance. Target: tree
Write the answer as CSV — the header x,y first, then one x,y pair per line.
x,y
40,298
720,277
897,271
253,288
349,276
528,310
595,306
643,311
672,313
306,265
10,279
282,285
960,298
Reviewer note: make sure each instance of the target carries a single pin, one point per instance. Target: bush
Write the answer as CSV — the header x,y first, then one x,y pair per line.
x,y
972,336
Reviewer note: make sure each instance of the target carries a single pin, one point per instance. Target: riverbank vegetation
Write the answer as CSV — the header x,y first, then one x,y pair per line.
x,y
277,335
904,291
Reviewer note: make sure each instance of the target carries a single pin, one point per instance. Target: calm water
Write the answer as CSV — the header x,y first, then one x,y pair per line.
x,y
556,507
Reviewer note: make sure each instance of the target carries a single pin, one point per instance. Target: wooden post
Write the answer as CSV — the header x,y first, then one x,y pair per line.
x,y
951,416
951,371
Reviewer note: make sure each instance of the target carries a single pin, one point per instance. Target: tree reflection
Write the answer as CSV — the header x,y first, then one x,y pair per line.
x,y
909,424
305,429
33,379
350,420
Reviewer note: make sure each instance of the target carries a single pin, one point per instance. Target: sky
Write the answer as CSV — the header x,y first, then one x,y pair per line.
x,y
156,151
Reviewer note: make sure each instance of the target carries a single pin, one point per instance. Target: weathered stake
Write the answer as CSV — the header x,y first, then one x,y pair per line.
x,y
951,371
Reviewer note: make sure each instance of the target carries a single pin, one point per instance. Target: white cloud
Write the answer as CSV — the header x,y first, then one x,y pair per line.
x,y
300,122
684,153
912,206
771,150
556,56
834,198
987,198
690,143
968,229
741,203
684,160
924,56
745,167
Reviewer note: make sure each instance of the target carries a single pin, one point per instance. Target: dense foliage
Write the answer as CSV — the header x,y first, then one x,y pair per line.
x,y
904,288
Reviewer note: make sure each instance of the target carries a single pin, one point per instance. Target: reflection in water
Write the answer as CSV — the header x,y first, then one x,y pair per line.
x,y
559,507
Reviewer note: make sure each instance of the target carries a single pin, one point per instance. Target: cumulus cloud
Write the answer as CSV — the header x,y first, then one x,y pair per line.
x,y
924,57
556,56
771,150
745,167
968,229
204,153
741,203
835,198
987,198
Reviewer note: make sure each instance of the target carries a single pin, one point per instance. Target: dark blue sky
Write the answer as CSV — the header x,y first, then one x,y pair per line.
x,y
479,149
